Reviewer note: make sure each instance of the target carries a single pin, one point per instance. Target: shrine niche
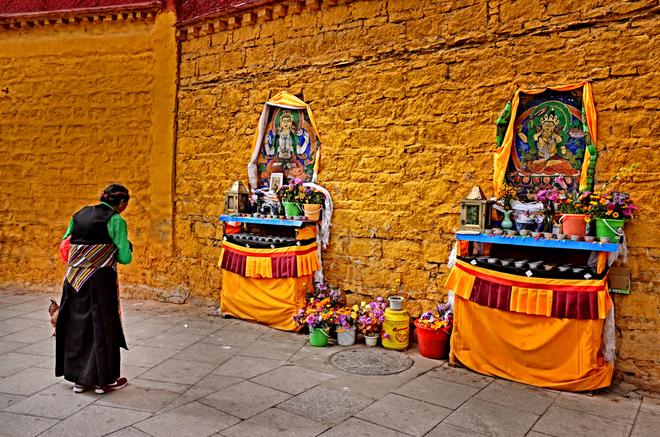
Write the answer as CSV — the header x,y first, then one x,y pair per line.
x,y
545,140
286,143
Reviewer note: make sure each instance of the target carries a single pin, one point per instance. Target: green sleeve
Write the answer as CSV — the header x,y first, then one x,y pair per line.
x,y
118,231
68,229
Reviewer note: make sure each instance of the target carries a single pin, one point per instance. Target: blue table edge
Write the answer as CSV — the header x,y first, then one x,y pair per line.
x,y
517,240
261,220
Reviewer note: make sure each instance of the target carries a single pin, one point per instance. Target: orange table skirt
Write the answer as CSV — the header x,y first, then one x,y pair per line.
x,y
271,301
549,352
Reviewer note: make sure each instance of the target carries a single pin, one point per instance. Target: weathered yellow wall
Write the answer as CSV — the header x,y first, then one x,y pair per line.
x,y
84,105
406,94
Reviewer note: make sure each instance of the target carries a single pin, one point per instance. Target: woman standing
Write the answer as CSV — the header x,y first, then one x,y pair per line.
x,y
88,331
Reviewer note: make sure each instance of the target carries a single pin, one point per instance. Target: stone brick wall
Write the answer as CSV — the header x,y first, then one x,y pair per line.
x,y
406,94
85,103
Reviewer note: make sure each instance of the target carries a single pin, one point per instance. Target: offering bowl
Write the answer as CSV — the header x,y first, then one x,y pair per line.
x,y
589,238
575,238
523,232
604,239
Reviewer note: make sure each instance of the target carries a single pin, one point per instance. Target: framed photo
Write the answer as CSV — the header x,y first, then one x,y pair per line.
x,y
276,181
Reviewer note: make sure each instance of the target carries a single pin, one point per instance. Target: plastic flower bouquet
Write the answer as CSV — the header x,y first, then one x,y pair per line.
x,y
574,203
346,317
323,290
290,193
505,195
371,317
310,195
317,314
611,205
441,318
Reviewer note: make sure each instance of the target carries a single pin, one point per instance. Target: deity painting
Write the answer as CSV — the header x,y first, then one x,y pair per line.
x,y
289,146
550,141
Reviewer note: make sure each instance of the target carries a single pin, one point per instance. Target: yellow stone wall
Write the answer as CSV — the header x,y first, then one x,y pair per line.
x,y
83,105
406,94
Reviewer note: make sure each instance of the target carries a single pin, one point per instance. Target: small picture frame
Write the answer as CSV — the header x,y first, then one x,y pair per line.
x,y
276,181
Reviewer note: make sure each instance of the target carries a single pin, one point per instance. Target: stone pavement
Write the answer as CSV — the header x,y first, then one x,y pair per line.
x,y
191,374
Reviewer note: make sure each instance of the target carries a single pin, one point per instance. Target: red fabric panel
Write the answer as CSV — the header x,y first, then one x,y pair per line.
x,y
284,266
234,262
491,294
575,305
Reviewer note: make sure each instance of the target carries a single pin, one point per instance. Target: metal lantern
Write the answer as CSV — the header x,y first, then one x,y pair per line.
x,y
475,211
236,199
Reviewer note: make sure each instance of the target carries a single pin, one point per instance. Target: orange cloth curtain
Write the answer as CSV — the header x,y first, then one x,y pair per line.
x,y
561,354
272,302
503,153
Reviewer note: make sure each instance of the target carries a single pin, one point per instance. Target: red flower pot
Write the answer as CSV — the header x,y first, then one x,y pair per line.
x,y
433,343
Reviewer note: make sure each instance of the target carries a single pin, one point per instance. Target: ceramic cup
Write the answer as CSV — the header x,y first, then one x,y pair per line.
x,y
492,260
498,231
505,262
523,232
604,239
589,238
520,264
536,234
488,231
511,232
560,236
547,235
575,238
563,268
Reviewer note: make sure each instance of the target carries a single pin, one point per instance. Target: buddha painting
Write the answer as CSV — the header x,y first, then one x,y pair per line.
x,y
289,146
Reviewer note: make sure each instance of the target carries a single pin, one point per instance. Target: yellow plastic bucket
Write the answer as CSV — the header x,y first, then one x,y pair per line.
x,y
396,329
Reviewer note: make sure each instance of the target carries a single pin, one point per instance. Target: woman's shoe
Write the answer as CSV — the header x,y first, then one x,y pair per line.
x,y
119,383
77,388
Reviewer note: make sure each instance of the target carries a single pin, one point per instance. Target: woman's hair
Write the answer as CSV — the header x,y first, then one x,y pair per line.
x,y
114,194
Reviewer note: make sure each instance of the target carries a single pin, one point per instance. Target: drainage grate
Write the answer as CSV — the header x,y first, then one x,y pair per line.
x,y
371,361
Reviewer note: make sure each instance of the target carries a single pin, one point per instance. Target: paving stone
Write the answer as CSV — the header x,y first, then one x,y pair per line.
x,y
196,327
518,396
7,400
160,385
28,381
174,341
233,336
138,398
209,353
211,384
146,356
8,346
491,419
144,330
275,422
607,405
129,432
9,312
13,362
443,393
132,372
277,336
179,371
193,419
18,425
56,402
447,430
650,404
246,367
244,399
291,379
48,364
647,423
30,335
461,376
560,421
357,427
325,405
271,350
43,347
95,420
17,324
403,414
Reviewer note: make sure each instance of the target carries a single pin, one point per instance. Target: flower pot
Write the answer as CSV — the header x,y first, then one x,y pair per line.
x,y
574,224
433,343
610,228
346,336
371,340
291,209
395,302
312,211
318,337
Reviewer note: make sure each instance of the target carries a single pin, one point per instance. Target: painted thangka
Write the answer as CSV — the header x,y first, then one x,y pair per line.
x,y
286,142
548,142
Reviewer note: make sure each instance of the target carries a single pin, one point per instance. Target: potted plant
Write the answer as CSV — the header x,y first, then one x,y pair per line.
x,y
288,195
319,317
611,210
434,330
312,201
573,208
505,195
345,321
370,320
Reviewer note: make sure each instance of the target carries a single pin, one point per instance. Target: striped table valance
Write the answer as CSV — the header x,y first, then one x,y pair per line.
x,y
280,262
561,298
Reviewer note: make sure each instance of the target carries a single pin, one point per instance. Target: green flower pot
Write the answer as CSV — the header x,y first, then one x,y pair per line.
x,y
318,337
291,209
610,228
